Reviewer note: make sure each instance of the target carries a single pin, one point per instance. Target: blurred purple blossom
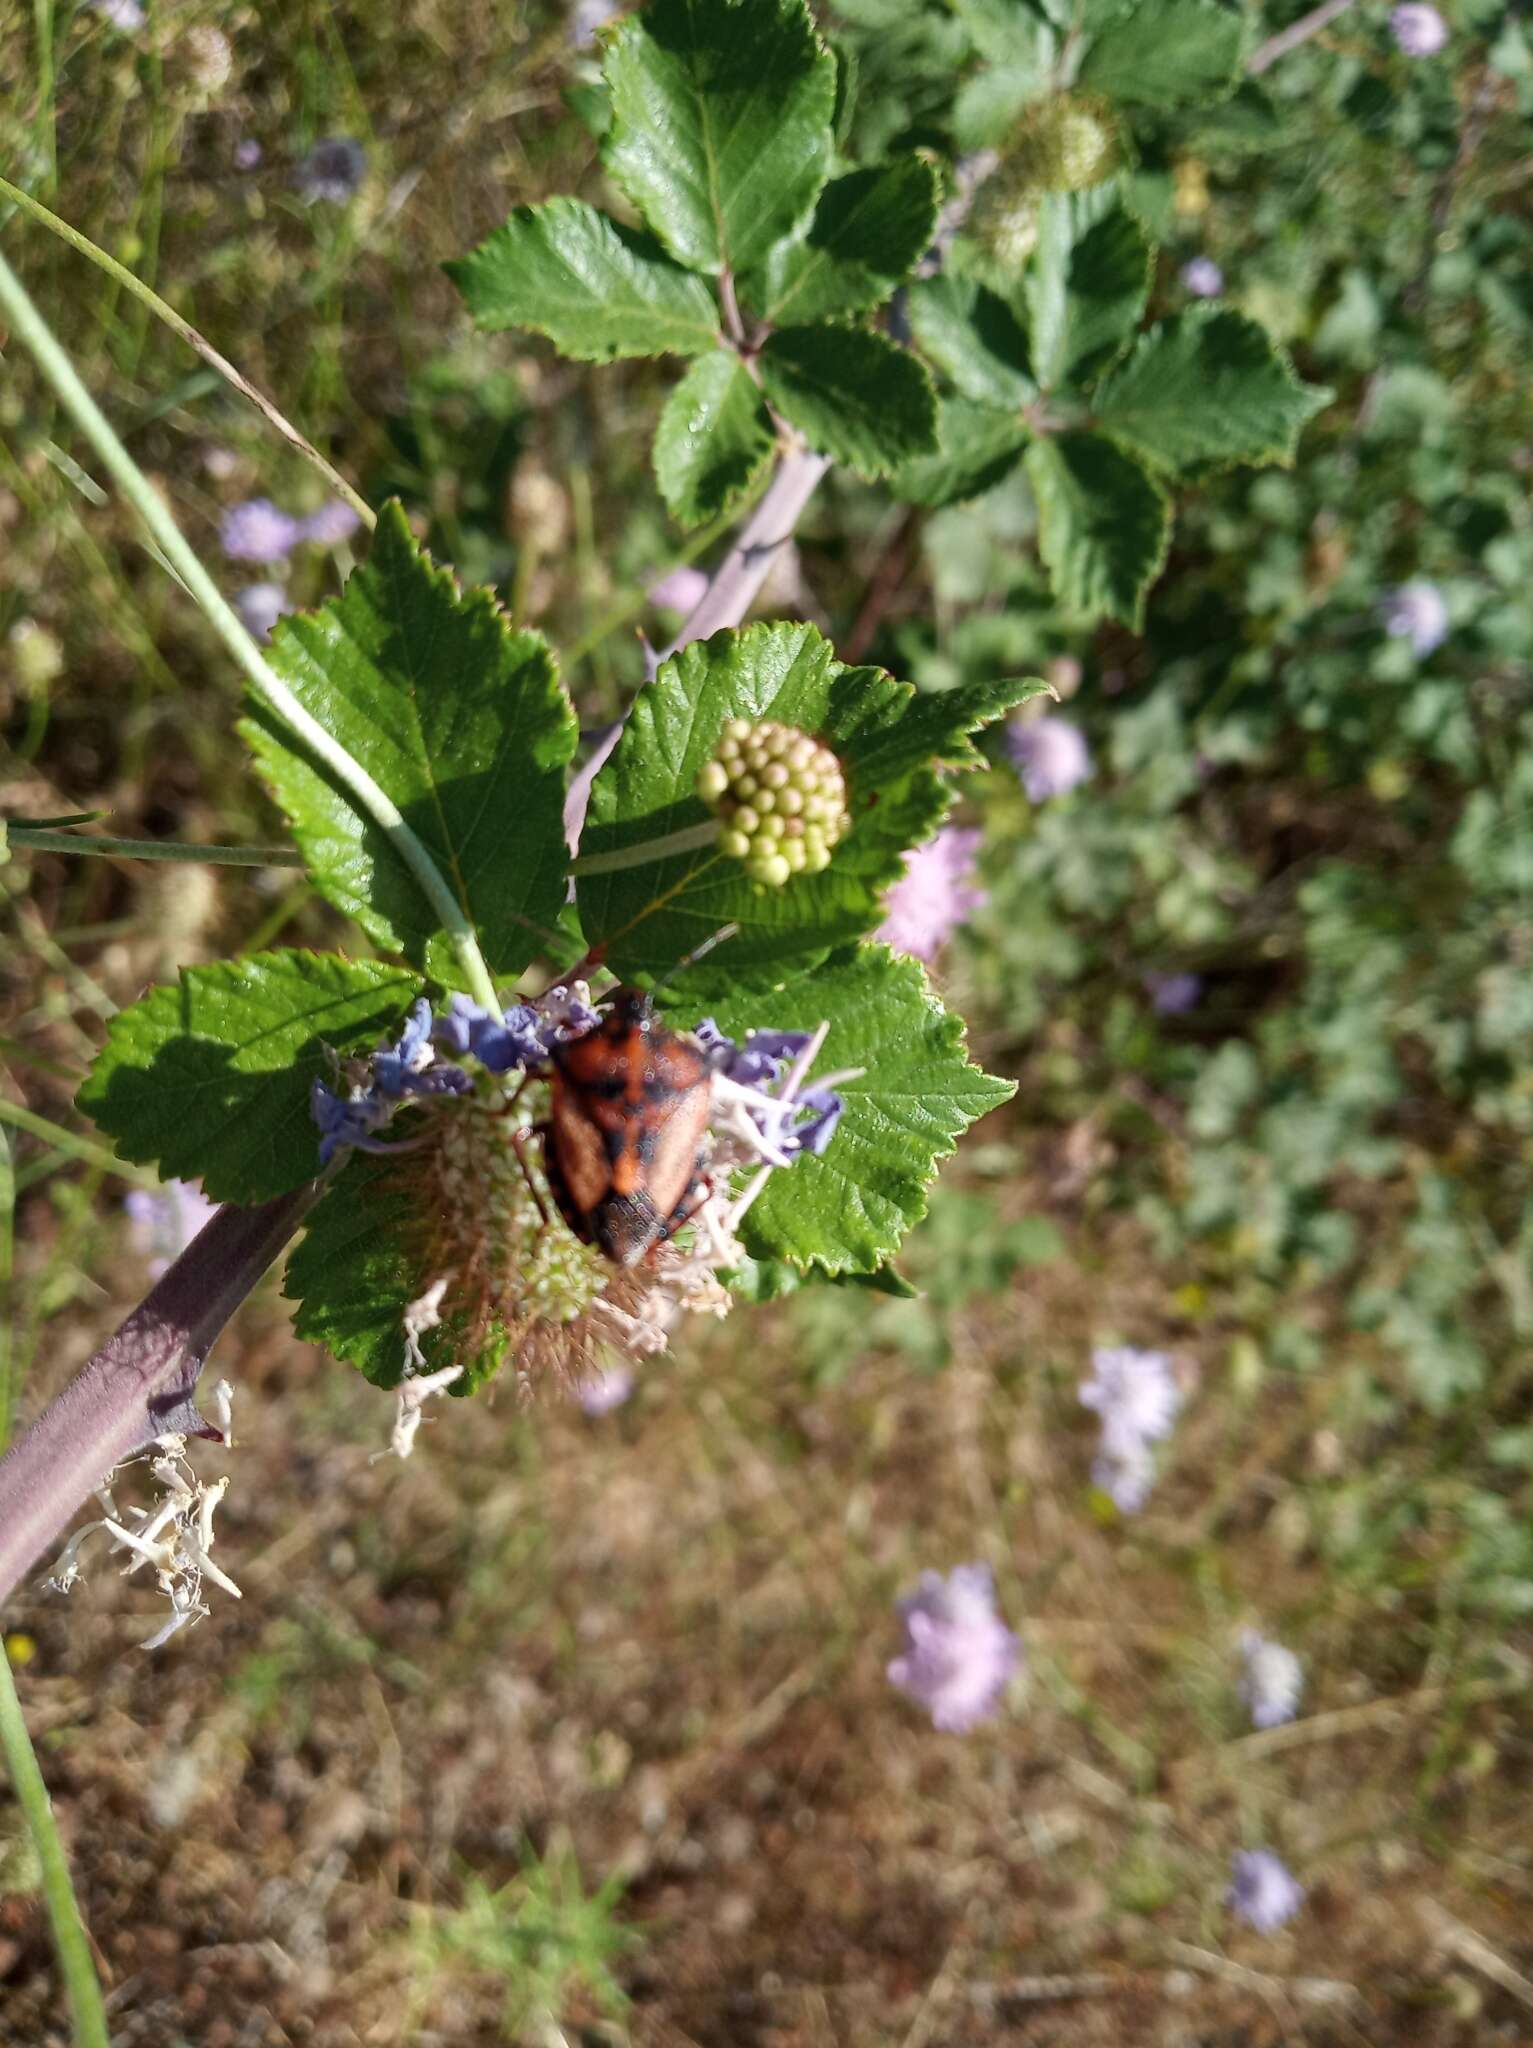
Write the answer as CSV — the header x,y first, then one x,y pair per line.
x,y
1273,1680
958,1653
333,170
598,1393
1171,995
1263,1891
334,522
257,531
260,605
1202,277
1418,31
934,895
680,591
1416,611
126,15
586,17
1050,754
1136,1400
163,1221
247,154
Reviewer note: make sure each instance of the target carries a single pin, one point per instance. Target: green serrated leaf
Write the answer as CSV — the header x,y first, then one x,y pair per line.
x,y
1104,525
1207,386
463,724
848,1211
1016,33
1166,53
651,915
976,447
721,124
852,394
973,336
598,290
714,438
1086,286
210,1079
867,231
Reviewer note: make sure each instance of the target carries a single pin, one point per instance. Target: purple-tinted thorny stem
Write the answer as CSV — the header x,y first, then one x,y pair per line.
x,y
140,1383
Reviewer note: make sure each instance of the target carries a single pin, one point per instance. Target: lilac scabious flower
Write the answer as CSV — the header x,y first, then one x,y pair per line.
x,y
522,1035
1202,277
247,154
1273,1680
259,606
163,1222
1172,995
1263,1891
411,1067
1137,1401
600,1391
334,522
681,591
1050,754
934,895
586,17
958,1653
395,1074
333,170
1416,611
258,532
1418,31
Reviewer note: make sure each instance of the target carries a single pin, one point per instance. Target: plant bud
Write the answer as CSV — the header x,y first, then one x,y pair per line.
x,y
781,798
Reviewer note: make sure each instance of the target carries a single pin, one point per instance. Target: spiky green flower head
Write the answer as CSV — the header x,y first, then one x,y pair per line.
x,y
780,796
1005,225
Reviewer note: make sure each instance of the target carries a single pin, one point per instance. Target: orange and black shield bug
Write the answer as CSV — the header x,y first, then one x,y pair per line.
x,y
624,1151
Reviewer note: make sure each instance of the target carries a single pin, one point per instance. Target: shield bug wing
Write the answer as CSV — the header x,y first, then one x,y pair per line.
x,y
630,1112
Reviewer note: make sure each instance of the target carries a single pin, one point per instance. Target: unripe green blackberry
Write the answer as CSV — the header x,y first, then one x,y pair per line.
x,y
780,796
1064,144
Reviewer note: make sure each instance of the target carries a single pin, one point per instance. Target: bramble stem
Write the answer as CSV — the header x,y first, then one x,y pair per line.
x,y
1266,54
189,334
733,585
139,1384
46,840
760,541
76,1964
33,331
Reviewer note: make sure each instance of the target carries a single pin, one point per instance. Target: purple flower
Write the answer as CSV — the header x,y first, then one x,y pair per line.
x,y
1050,754
410,1067
1171,995
1137,1400
522,1035
1416,611
934,895
1202,277
586,17
600,1392
1273,1680
1418,31
333,170
163,1222
1263,1892
681,591
808,1122
958,1653
257,532
247,154
347,1120
333,523
260,605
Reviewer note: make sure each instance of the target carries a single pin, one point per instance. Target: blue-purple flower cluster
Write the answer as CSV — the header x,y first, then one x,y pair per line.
x,y
1136,1399
525,1035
